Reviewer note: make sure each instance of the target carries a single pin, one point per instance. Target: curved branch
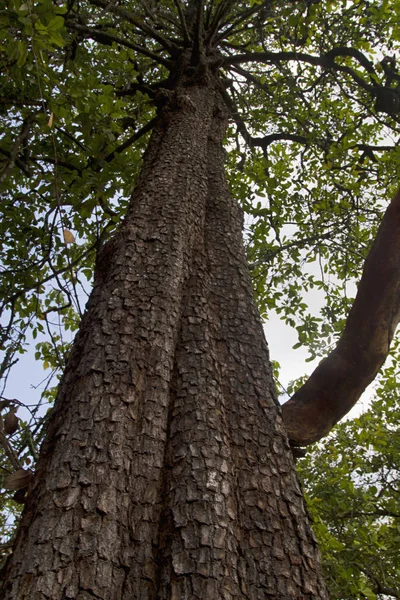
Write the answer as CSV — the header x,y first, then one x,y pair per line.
x,y
354,53
326,61
267,140
340,379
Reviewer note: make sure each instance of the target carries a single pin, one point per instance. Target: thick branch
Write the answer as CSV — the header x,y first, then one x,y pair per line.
x,y
326,61
354,53
245,16
340,379
198,32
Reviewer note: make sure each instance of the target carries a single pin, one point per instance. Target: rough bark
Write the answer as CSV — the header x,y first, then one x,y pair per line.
x,y
166,472
339,380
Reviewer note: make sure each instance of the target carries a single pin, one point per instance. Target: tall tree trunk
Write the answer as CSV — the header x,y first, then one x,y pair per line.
x,y
166,473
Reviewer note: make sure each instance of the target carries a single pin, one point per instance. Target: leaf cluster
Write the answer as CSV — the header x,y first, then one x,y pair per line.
x,y
351,481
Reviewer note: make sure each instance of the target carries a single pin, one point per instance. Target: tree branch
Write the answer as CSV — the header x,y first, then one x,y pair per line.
x,y
379,587
298,243
131,140
198,31
137,22
109,38
267,140
222,9
252,79
326,61
13,155
149,89
245,16
186,34
19,163
20,101
59,163
339,380
354,53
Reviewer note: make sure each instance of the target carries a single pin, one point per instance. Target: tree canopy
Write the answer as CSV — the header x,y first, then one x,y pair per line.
x,y
312,152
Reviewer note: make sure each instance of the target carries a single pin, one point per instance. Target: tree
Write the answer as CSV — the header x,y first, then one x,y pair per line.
x,y
165,471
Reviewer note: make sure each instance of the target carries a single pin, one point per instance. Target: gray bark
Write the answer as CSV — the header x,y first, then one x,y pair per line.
x,y
166,472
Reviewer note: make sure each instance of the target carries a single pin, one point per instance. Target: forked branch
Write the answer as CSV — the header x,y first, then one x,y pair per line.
x,y
339,380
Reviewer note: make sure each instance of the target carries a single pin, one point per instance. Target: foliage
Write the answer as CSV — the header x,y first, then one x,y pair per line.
x,y
312,154
352,487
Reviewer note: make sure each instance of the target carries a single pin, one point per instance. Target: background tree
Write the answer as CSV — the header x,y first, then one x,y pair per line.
x,y
352,482
305,97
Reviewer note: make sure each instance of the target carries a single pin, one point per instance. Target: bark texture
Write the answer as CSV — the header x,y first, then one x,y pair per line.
x,y
339,380
166,473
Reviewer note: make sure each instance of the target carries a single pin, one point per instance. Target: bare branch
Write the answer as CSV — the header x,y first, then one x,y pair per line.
x,y
245,16
109,38
222,9
13,155
20,102
59,163
198,31
131,140
139,23
186,34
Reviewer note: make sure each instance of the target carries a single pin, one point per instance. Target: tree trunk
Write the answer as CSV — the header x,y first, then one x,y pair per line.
x,y
166,473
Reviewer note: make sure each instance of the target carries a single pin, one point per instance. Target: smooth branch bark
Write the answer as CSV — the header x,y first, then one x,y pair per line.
x,y
339,380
